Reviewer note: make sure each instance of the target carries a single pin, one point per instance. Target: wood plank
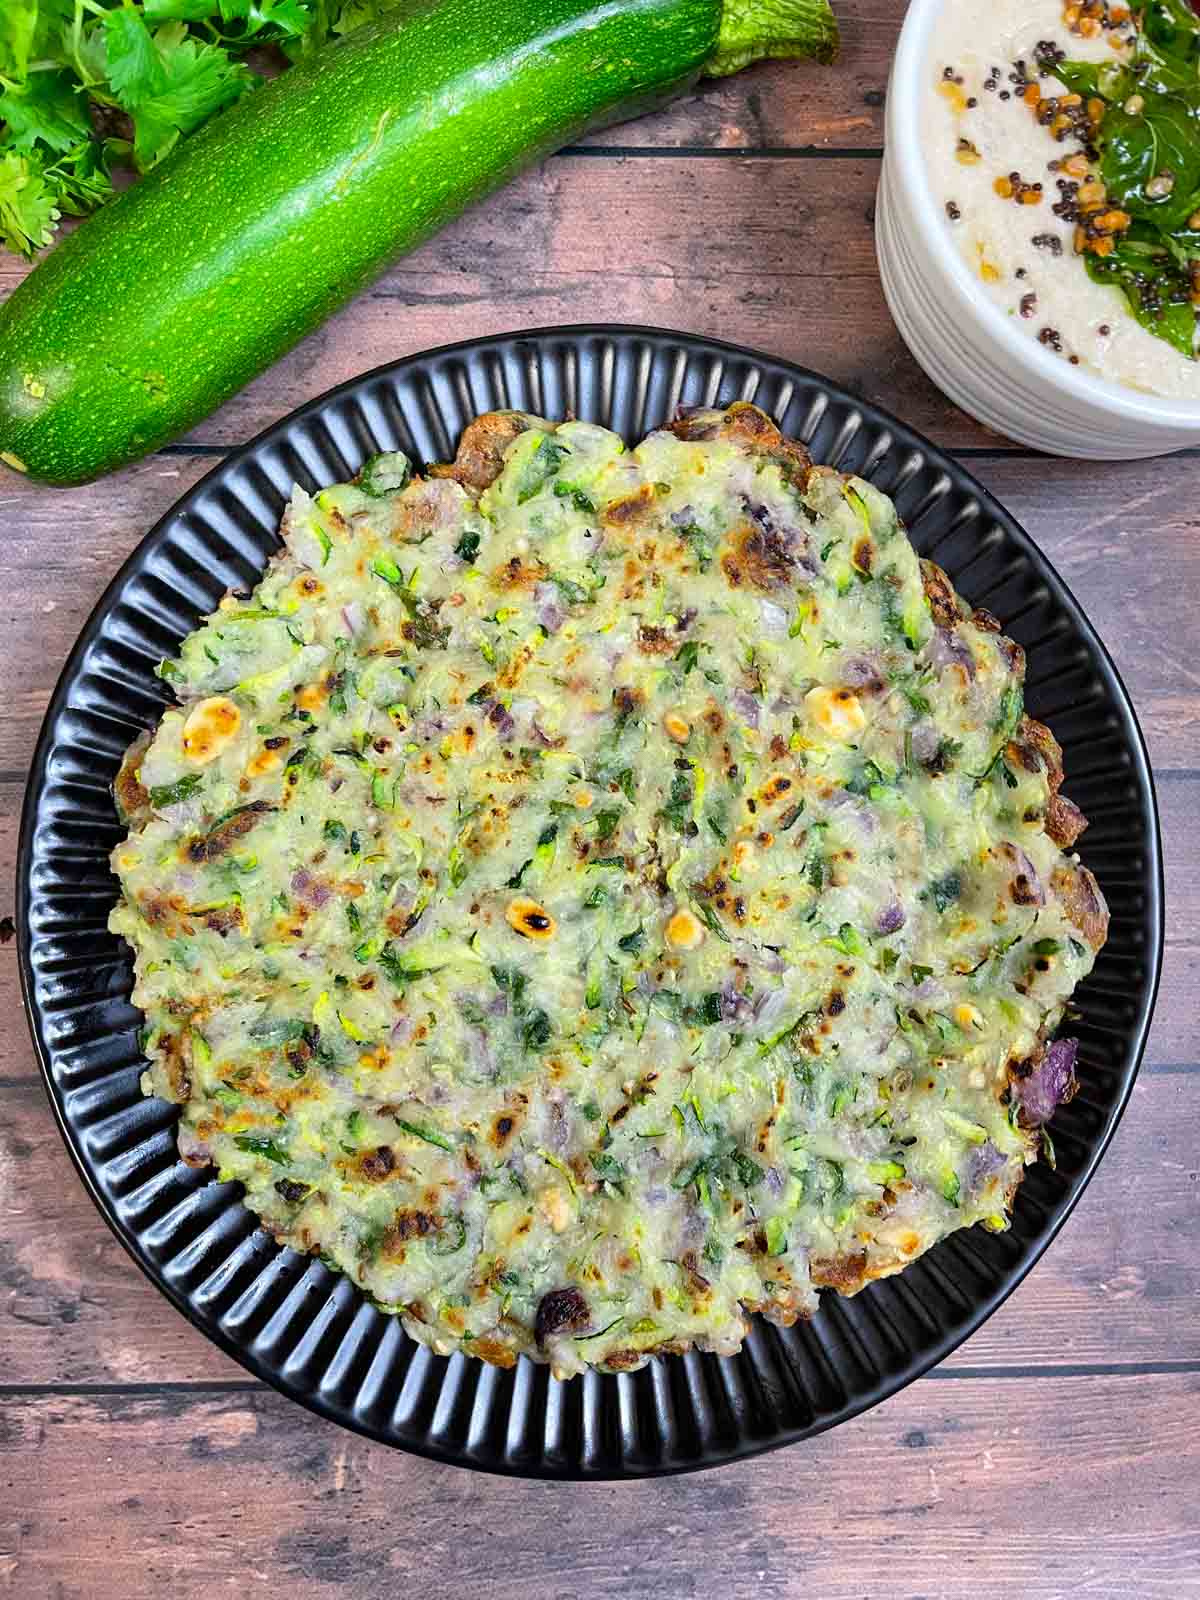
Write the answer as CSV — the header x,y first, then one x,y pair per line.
x,y
1096,525
790,269
1123,536
1037,1488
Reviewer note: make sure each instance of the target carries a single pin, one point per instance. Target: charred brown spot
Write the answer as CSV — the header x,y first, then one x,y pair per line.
x,y
1035,748
405,1225
1024,891
298,1053
751,428
132,799
939,591
378,1164
984,619
843,1273
836,1003
863,555
223,919
1079,895
630,508
560,1311
749,425
1064,821
626,701
778,748
696,1280
481,450
291,1191
655,642
502,1128
759,557
175,1069
1013,654
212,846
518,574
622,1360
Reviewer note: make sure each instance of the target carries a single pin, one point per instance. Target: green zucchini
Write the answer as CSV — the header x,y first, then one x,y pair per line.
x,y
243,240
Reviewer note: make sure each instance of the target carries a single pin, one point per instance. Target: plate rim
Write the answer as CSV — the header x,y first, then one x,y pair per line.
x,y
982,1308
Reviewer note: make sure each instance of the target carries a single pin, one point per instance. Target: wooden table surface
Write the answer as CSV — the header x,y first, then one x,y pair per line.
x,y
1058,1451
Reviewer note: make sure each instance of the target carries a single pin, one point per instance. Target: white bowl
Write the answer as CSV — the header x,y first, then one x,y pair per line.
x,y
960,337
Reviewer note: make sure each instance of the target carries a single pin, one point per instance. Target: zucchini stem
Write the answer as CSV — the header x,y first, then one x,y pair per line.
x,y
758,30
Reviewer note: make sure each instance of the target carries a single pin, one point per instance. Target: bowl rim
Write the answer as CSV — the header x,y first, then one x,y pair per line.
x,y
905,159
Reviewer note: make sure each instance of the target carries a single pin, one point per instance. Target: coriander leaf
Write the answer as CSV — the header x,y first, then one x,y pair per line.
x,y
135,69
170,794
945,891
540,468
80,180
606,825
18,24
46,109
678,809
429,1135
384,474
535,1030
568,491
609,1169
706,1012
27,210
711,921
687,655
194,10
197,80
261,1145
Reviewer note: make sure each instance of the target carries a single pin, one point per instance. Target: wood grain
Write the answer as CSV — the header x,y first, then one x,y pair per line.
x,y
1025,1487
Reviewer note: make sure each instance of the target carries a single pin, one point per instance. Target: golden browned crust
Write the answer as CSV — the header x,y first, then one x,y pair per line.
x,y
211,846
481,449
751,428
846,1274
1083,903
1033,747
947,609
133,802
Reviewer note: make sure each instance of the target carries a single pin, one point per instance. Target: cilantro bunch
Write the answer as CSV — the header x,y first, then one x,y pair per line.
x,y
89,88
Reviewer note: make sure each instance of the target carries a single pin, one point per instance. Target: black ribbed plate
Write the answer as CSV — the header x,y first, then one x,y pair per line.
x,y
308,1331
